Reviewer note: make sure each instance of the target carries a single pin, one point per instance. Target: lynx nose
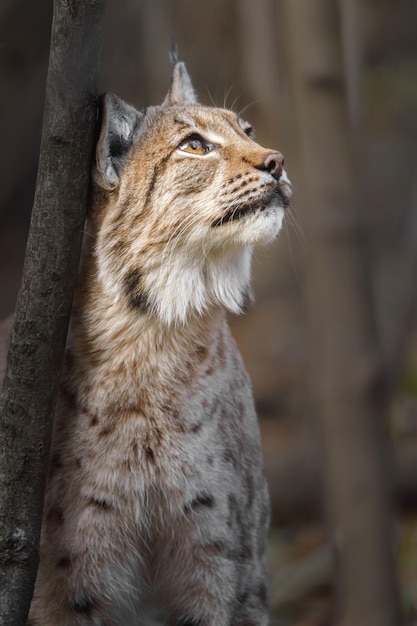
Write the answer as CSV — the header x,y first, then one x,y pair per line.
x,y
273,163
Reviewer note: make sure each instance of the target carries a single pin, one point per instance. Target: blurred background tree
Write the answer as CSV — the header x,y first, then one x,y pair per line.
x,y
242,53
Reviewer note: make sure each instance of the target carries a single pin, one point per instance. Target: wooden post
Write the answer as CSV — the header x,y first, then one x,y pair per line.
x,y
44,303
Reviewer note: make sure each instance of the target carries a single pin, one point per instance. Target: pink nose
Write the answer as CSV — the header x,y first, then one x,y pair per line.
x,y
273,163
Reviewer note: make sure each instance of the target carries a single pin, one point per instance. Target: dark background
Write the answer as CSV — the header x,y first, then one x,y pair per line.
x,y
239,54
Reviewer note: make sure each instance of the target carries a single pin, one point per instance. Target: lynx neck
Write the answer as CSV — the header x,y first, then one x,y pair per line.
x,y
115,343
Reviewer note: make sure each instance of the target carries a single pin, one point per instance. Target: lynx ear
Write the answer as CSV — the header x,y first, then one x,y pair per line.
x,y
181,89
119,129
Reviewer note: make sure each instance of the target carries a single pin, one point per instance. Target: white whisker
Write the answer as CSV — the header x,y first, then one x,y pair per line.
x,y
248,106
295,223
227,94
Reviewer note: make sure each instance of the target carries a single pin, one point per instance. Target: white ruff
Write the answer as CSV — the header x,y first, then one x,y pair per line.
x,y
191,286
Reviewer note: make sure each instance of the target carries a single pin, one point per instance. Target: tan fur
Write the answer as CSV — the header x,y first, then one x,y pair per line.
x,y
156,508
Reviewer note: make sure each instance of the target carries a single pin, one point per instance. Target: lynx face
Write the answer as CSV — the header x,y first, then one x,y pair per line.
x,y
190,193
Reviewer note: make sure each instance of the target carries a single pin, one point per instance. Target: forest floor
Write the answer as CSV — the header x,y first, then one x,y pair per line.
x,y
302,581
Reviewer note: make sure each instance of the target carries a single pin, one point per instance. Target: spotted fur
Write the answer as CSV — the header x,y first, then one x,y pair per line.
x,y
156,509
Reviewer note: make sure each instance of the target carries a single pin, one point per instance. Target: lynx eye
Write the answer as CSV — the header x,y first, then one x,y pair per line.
x,y
195,145
249,131
247,128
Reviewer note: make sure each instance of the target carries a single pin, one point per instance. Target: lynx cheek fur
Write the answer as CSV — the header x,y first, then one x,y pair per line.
x,y
156,509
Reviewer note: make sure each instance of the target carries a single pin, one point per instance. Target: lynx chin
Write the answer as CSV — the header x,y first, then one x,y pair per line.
x,y
156,510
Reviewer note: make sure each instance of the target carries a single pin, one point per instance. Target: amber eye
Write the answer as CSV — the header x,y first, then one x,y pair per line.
x,y
195,145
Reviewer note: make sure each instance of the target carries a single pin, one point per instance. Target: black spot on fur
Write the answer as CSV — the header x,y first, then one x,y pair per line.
x,y
250,484
246,552
55,464
55,515
215,548
136,295
149,453
83,606
229,457
233,508
201,352
69,359
69,397
56,461
100,503
107,430
263,594
202,500
231,180
190,622
64,562
210,370
243,598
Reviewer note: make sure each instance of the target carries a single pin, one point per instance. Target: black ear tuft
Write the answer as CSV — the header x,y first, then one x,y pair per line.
x,y
120,128
173,51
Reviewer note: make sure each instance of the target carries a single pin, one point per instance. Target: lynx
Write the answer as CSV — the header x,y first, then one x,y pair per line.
x,y
156,509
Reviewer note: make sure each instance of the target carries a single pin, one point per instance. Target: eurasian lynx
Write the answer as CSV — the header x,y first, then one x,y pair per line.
x,y
156,509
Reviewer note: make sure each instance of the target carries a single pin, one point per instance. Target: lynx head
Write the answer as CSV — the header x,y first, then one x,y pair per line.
x,y
185,194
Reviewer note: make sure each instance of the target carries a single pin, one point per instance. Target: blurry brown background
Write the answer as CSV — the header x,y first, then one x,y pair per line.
x,y
241,53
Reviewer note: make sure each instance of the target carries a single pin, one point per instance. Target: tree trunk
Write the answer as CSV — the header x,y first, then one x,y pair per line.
x,y
349,391
44,304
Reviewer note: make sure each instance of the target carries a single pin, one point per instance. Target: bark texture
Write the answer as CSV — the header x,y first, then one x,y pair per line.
x,y
348,383
44,304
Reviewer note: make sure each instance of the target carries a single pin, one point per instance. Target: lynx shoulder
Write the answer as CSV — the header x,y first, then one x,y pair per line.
x,y
156,509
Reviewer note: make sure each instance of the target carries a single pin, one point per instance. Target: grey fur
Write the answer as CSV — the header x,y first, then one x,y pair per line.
x,y
120,129
181,90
